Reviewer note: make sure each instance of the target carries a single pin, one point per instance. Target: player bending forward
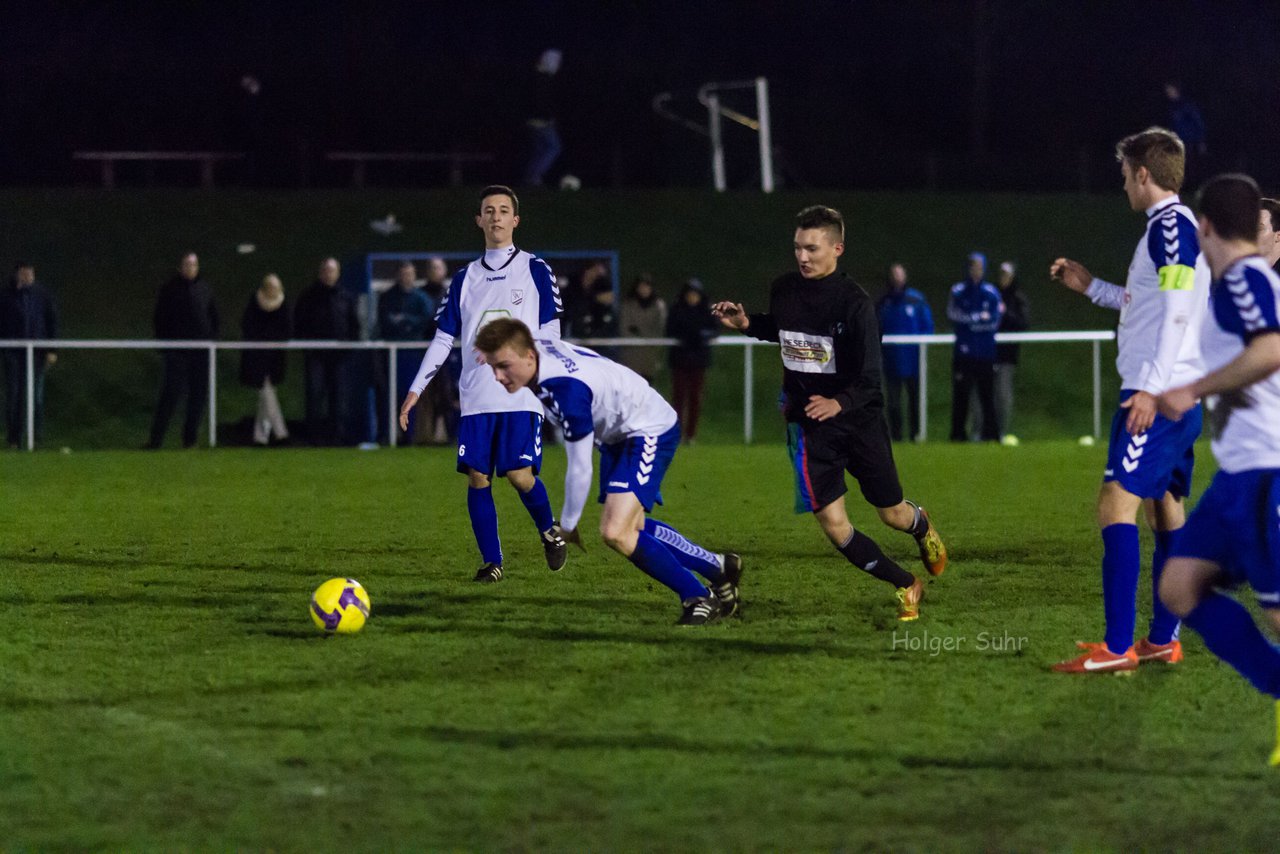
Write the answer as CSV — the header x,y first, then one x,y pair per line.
x,y
596,400
1233,535
830,341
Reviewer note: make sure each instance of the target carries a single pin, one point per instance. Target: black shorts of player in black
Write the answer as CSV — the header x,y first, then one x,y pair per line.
x,y
821,453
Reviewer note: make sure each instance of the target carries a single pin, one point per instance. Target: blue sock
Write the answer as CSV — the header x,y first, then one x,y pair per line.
x,y
1120,568
653,557
689,554
1164,624
1231,634
484,523
538,505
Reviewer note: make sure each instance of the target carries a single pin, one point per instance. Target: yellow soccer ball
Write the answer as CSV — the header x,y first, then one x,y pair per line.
x,y
340,605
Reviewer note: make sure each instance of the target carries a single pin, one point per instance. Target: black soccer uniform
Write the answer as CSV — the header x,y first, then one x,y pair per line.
x,y
830,346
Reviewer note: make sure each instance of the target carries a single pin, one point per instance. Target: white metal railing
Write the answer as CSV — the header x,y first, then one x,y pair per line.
x,y
393,347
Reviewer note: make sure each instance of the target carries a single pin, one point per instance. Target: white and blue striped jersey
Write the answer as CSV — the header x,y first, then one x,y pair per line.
x,y
1162,303
585,393
506,282
1244,304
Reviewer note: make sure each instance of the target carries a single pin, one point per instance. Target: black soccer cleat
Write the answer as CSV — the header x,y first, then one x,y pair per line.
x,y
727,590
555,547
699,611
489,573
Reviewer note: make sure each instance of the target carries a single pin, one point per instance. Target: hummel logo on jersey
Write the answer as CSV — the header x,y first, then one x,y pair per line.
x,y
501,278
1134,452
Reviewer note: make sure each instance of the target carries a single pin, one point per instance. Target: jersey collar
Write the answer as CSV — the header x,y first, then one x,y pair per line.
x,y
1161,205
514,252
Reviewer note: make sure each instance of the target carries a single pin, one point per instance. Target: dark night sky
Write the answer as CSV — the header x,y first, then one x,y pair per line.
x,y
860,91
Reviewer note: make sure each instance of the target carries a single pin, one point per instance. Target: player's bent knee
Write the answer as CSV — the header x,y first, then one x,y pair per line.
x,y
476,479
521,479
1182,586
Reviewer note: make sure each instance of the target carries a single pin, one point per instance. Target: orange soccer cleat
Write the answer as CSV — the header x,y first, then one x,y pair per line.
x,y
1169,653
1098,659
933,554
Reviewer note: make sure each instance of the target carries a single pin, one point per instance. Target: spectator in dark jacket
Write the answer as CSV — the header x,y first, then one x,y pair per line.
x,y
266,318
1017,318
325,312
975,309
184,311
405,313
902,310
26,311
690,322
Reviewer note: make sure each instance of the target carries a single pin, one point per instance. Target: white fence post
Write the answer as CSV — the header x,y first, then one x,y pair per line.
x,y
1097,389
31,396
921,405
392,434
748,392
213,395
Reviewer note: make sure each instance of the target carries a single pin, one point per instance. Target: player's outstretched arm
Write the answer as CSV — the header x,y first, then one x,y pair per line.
x,y
731,315
577,482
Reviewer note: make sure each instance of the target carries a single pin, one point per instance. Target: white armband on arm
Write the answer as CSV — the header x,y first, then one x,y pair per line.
x,y
441,344
1158,372
1105,294
577,481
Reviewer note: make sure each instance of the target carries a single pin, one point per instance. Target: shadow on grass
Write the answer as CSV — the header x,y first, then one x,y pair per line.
x,y
138,562
999,762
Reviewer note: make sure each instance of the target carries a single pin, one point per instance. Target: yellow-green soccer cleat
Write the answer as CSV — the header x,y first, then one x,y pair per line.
x,y
1275,754
909,600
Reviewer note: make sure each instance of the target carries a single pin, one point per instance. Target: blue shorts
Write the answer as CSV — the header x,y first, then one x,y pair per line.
x,y
638,465
504,441
1237,526
1160,460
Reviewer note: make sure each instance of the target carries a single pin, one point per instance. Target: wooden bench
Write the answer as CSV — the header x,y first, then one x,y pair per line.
x,y
206,159
360,159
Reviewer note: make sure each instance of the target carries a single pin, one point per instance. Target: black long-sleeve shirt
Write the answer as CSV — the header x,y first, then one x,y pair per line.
x,y
830,344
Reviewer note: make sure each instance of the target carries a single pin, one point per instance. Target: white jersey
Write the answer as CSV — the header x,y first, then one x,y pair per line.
x,y
1246,422
586,393
1162,304
508,283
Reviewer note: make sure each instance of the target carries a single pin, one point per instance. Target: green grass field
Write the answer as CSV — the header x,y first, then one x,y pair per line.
x,y
162,686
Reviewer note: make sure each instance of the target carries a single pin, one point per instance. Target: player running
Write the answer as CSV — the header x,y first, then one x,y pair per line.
x,y
1233,535
597,401
835,415
497,431
1150,458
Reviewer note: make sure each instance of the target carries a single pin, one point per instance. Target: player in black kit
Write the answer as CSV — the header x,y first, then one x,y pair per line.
x,y
830,344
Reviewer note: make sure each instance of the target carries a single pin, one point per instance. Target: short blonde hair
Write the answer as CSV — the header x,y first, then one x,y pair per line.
x,y
1160,151
503,332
